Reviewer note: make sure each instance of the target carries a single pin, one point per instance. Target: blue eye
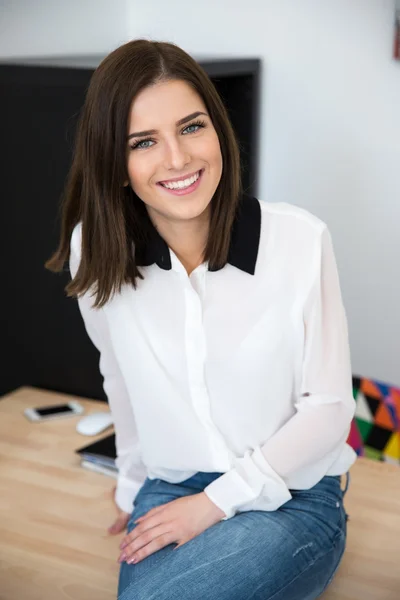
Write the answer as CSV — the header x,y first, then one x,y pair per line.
x,y
192,125
197,124
139,144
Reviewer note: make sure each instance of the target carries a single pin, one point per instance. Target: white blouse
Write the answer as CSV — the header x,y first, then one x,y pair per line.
x,y
243,370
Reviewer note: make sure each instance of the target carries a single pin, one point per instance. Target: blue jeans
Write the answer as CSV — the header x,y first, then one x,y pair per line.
x,y
288,554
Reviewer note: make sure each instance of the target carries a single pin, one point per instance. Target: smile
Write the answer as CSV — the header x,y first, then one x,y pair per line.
x,y
185,186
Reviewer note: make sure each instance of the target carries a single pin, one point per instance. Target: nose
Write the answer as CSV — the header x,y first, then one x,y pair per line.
x,y
176,155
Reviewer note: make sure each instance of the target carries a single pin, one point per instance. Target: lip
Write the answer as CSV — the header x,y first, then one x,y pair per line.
x,y
181,178
184,191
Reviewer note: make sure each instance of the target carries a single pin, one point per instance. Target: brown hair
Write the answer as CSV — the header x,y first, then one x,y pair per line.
x,y
113,217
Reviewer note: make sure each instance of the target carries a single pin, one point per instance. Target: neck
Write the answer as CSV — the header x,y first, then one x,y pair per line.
x,y
187,239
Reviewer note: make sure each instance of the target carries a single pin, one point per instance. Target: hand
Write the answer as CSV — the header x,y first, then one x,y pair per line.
x,y
121,521
175,522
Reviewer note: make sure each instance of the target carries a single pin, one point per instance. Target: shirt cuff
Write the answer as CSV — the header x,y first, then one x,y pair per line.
x,y
250,478
125,493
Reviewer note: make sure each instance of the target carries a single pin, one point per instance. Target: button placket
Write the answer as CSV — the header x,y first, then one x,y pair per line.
x,y
196,355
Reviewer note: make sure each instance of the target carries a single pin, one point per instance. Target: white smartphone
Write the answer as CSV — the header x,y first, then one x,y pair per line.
x,y
57,411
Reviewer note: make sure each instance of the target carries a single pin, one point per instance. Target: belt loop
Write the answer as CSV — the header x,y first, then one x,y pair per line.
x,y
347,483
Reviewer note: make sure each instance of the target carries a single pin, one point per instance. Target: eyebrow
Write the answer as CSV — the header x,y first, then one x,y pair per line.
x,y
180,122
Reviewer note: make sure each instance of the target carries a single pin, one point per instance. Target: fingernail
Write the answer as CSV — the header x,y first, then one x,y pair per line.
x,y
122,557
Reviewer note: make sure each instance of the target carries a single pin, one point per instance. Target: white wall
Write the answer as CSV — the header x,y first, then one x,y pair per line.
x,y
330,119
54,27
330,133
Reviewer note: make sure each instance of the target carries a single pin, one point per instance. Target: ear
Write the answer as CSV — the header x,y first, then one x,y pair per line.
x,y
126,183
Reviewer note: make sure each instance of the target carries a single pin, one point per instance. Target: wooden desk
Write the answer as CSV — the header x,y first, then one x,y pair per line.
x,y
54,515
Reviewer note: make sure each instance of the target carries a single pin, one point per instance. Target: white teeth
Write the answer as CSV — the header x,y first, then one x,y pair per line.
x,y
177,185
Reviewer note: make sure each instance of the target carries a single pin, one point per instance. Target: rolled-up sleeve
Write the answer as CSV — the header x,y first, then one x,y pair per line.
x,y
131,470
314,436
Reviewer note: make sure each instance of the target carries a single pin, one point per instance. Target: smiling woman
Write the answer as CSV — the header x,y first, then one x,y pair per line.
x,y
223,343
166,122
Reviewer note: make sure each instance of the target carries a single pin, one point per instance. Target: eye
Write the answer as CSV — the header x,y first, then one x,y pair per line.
x,y
197,124
139,144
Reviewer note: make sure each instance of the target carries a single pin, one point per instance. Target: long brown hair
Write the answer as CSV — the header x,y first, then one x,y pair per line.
x,y
113,217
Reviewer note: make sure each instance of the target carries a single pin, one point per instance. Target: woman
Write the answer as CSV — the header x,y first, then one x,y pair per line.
x,y
223,343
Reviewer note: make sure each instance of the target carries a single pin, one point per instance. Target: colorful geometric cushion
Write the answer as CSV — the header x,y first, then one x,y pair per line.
x,y
375,429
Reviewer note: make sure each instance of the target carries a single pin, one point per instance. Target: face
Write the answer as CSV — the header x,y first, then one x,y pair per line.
x,y
173,151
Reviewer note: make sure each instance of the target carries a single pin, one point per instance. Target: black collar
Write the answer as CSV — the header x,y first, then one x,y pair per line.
x,y
243,249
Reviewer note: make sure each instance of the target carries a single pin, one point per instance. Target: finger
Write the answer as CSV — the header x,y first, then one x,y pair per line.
x,y
144,535
139,553
150,513
115,528
137,532
150,523
139,519
120,524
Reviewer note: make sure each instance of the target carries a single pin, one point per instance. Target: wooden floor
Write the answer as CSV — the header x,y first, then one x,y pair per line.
x,y
54,516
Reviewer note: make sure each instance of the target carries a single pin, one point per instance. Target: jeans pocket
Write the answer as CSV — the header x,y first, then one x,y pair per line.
x,y
325,502
327,491
322,498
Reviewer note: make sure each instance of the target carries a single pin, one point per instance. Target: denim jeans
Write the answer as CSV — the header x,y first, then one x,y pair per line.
x,y
288,554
